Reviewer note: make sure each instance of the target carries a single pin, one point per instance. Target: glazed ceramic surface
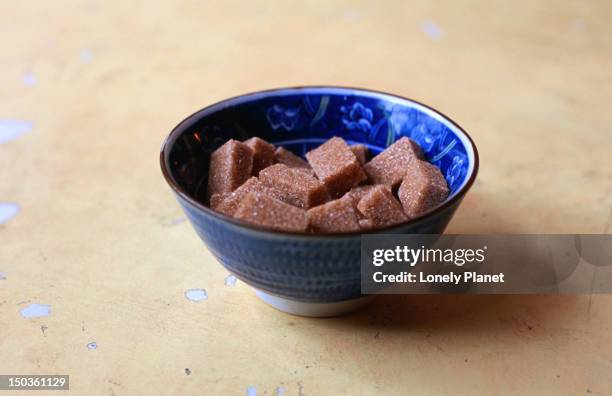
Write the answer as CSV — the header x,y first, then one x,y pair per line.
x,y
307,267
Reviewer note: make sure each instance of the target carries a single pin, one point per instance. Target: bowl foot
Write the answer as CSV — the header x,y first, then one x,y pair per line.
x,y
315,310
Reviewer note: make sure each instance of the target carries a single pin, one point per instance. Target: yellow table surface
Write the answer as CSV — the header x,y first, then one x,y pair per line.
x,y
100,238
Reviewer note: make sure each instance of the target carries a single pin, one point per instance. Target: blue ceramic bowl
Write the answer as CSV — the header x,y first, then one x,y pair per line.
x,y
306,267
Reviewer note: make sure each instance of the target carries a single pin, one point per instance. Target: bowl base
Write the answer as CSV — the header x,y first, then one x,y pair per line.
x,y
314,310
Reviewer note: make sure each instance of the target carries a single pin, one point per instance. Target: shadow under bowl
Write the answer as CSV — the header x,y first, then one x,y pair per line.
x,y
297,272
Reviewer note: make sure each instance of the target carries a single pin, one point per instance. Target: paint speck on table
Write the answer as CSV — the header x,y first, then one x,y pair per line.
x,y
173,221
432,30
178,220
280,391
92,345
230,280
8,210
11,129
577,25
2,275
251,391
187,371
35,310
351,15
29,79
196,295
86,55
43,328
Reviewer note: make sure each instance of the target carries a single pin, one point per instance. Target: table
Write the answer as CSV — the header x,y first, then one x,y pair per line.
x,y
91,231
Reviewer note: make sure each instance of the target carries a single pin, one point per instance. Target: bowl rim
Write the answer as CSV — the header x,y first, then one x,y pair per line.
x,y
171,138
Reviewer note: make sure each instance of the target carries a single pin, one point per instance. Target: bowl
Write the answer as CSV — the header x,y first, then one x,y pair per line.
x,y
299,273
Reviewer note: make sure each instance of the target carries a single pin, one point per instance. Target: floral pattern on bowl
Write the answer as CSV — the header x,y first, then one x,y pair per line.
x,y
301,121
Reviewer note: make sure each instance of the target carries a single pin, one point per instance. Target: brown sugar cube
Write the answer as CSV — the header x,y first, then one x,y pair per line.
x,y
361,152
423,188
216,199
284,156
365,224
390,166
358,192
336,166
295,186
230,201
230,166
355,195
381,207
334,216
263,210
263,153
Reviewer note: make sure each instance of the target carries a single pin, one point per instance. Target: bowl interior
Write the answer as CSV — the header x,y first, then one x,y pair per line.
x,y
302,118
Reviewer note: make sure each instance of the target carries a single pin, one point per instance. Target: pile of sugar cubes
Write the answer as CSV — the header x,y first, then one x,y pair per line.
x,y
336,190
